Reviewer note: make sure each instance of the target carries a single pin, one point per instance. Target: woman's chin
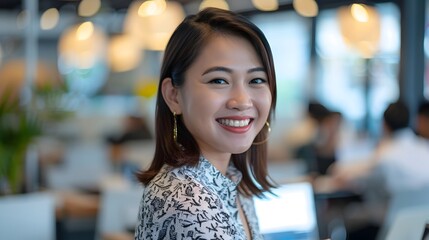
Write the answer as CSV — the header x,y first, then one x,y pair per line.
x,y
241,149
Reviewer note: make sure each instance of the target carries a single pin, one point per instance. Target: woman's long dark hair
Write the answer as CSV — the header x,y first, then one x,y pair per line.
x,y
184,46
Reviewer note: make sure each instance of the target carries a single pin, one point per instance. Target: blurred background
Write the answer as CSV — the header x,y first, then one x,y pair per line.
x,y
78,80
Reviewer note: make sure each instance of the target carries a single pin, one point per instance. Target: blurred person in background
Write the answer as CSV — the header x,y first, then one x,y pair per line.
x,y
216,94
422,126
135,129
318,148
399,163
327,142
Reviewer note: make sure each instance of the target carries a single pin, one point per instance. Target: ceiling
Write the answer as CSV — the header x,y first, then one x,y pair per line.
x,y
45,4
123,4
113,23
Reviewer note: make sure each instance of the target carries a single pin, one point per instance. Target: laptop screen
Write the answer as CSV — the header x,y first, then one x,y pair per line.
x,y
291,215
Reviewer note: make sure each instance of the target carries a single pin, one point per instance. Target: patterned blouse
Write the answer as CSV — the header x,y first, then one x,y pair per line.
x,y
195,203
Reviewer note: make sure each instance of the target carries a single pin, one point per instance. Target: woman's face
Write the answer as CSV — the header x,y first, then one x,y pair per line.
x,y
225,100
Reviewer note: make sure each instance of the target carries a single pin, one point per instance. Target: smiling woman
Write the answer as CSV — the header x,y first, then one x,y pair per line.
x,y
217,92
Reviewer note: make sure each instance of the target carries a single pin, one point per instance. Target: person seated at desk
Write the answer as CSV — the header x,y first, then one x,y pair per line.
x,y
319,150
399,162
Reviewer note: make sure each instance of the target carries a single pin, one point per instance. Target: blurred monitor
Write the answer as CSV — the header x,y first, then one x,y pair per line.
x,y
291,215
426,232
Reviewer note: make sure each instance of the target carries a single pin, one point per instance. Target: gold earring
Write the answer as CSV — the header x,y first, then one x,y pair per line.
x,y
174,127
266,139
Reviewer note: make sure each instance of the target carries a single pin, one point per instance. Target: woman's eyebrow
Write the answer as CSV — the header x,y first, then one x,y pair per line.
x,y
228,70
256,69
218,68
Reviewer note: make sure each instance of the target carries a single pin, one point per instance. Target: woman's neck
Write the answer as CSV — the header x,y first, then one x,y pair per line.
x,y
219,161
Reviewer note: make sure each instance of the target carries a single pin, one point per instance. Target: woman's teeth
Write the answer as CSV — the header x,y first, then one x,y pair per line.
x,y
234,123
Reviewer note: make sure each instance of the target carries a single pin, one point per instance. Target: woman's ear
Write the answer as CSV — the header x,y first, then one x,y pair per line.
x,y
171,95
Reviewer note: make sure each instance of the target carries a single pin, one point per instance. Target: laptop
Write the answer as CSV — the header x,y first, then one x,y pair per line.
x,y
291,215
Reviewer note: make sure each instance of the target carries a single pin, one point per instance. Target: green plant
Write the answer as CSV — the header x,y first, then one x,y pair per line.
x,y
18,127
20,124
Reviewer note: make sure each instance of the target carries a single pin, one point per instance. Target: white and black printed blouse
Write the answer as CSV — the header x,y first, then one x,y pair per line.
x,y
195,203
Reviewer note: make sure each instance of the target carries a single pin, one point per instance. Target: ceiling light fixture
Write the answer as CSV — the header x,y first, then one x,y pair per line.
x,y
266,5
306,8
360,28
222,4
49,19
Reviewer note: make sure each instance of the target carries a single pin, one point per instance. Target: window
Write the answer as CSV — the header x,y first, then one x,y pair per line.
x,y
289,37
359,88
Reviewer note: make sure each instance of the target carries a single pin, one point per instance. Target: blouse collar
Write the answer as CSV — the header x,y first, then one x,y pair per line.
x,y
211,177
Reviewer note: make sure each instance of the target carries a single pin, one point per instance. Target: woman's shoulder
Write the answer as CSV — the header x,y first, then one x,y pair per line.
x,y
169,176
181,181
175,191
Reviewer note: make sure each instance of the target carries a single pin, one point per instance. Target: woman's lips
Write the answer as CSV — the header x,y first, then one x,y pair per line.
x,y
235,125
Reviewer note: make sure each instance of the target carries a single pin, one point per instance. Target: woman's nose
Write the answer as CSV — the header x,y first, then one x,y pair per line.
x,y
240,99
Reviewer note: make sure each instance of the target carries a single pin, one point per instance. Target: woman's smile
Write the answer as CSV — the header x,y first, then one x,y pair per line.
x,y
235,125
234,122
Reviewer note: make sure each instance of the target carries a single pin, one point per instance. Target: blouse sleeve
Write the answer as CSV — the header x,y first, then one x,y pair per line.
x,y
184,211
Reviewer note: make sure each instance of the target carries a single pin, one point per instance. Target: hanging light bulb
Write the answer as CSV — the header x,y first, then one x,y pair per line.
x,y
123,53
82,45
84,31
306,8
360,28
152,7
266,5
82,58
88,8
153,31
222,4
49,19
359,13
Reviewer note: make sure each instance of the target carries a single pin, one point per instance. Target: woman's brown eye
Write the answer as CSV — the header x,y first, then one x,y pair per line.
x,y
218,81
258,81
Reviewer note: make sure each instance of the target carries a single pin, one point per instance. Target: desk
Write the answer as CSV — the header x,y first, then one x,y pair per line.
x,y
76,214
344,213
77,205
118,236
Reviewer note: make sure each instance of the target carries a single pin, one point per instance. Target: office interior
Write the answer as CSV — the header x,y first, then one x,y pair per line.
x,y
77,111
